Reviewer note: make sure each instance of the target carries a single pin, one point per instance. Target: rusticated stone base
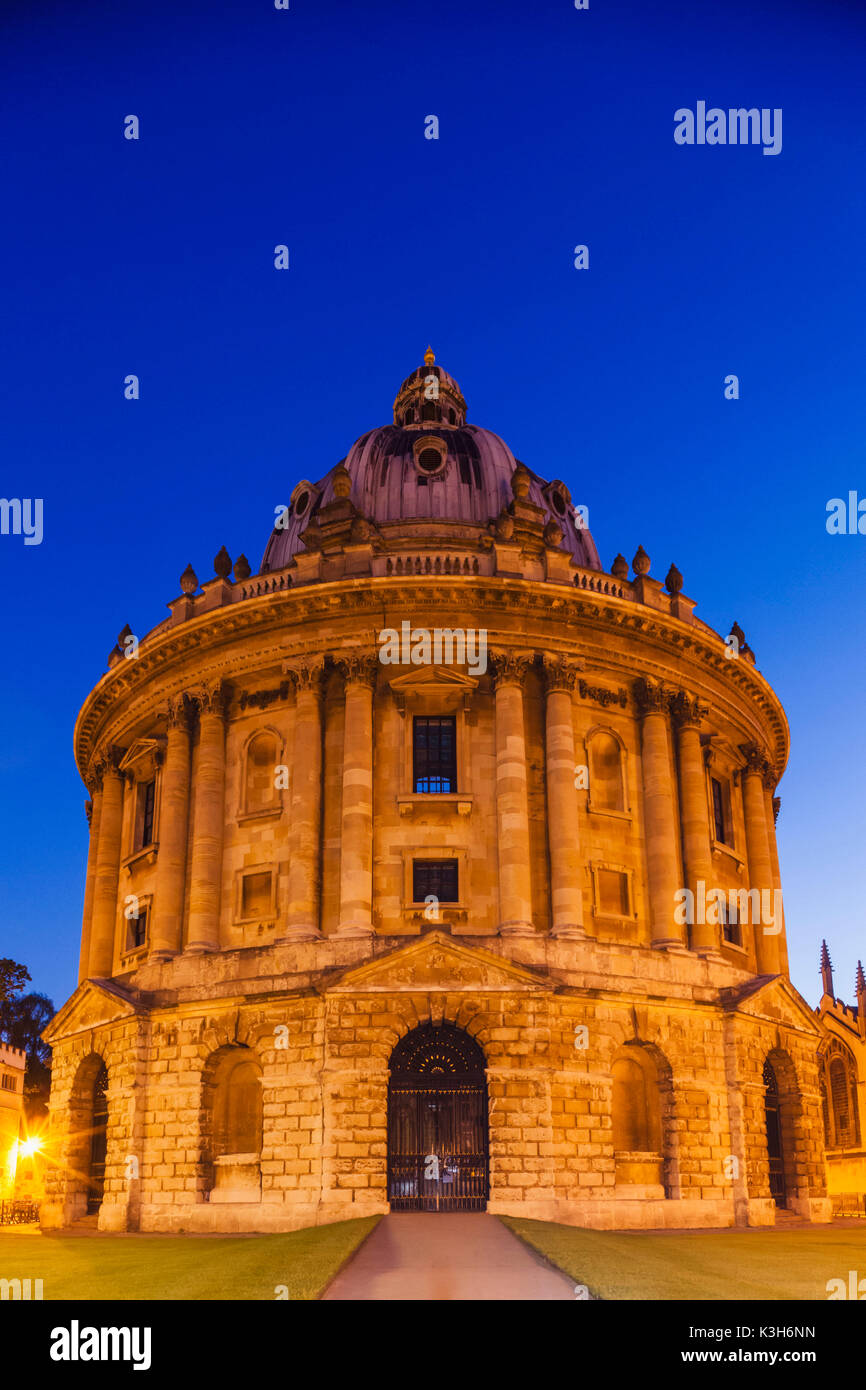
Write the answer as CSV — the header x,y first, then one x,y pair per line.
x,y
551,1026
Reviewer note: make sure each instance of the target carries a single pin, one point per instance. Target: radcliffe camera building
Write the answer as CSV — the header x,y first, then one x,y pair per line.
x,y
361,933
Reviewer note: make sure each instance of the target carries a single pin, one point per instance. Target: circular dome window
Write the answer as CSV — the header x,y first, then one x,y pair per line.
x,y
431,460
301,503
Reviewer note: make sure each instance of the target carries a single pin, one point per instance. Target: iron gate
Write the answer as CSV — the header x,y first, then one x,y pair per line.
x,y
437,1123
98,1141
775,1151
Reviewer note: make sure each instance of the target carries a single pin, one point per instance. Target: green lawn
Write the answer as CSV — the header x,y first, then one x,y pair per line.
x,y
183,1267
707,1265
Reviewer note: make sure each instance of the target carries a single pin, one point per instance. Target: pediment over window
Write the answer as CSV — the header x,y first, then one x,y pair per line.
x,y
442,686
438,963
94,1004
141,748
719,753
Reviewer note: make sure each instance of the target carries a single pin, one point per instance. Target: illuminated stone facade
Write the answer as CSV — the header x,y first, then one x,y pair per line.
x,y
327,850
12,1068
842,1070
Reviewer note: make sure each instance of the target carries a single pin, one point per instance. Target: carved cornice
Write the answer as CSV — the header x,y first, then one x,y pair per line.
x,y
358,668
269,623
509,668
560,673
649,698
687,711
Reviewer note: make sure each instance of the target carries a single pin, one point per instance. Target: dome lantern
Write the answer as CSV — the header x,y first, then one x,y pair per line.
x,y
430,397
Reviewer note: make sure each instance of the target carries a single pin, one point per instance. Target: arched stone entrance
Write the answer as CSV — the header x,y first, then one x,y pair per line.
x,y
437,1122
775,1139
87,1145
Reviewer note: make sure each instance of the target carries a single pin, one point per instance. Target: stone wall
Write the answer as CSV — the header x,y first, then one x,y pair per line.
x,y
549,1047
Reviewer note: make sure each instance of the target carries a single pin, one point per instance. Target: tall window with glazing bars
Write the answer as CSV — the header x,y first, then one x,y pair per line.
x,y
434,754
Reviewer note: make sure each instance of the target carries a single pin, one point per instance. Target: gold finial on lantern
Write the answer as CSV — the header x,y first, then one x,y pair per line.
x,y
429,356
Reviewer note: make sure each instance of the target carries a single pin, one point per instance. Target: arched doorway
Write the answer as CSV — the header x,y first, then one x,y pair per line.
x,y
437,1122
98,1141
775,1142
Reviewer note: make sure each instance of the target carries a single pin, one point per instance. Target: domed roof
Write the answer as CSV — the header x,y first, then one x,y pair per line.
x,y
428,468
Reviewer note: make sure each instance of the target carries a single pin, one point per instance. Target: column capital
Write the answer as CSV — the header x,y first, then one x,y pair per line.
x,y
179,711
687,710
358,668
756,761
213,697
509,668
307,673
93,775
649,697
107,759
560,673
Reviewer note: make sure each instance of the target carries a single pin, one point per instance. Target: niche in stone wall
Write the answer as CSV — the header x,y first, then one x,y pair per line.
x,y
606,761
637,1120
232,1126
260,794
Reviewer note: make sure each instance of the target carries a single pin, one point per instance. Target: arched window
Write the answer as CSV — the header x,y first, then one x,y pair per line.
x,y
410,415
260,791
606,779
841,1100
429,411
825,1113
232,1126
838,1076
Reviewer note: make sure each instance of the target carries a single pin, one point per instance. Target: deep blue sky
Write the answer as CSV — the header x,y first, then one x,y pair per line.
x,y
261,127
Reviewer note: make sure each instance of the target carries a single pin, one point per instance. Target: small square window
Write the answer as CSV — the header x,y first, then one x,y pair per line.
x,y
256,895
436,878
9,1082
612,888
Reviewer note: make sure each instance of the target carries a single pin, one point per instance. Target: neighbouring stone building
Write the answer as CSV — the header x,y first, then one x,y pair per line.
x,y
842,1066
387,892
13,1065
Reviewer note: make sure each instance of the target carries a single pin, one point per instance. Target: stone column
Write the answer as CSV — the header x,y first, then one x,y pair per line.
x,y
773,806
93,809
566,865
356,826
166,935
694,812
756,774
305,835
104,919
208,822
660,828
512,804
